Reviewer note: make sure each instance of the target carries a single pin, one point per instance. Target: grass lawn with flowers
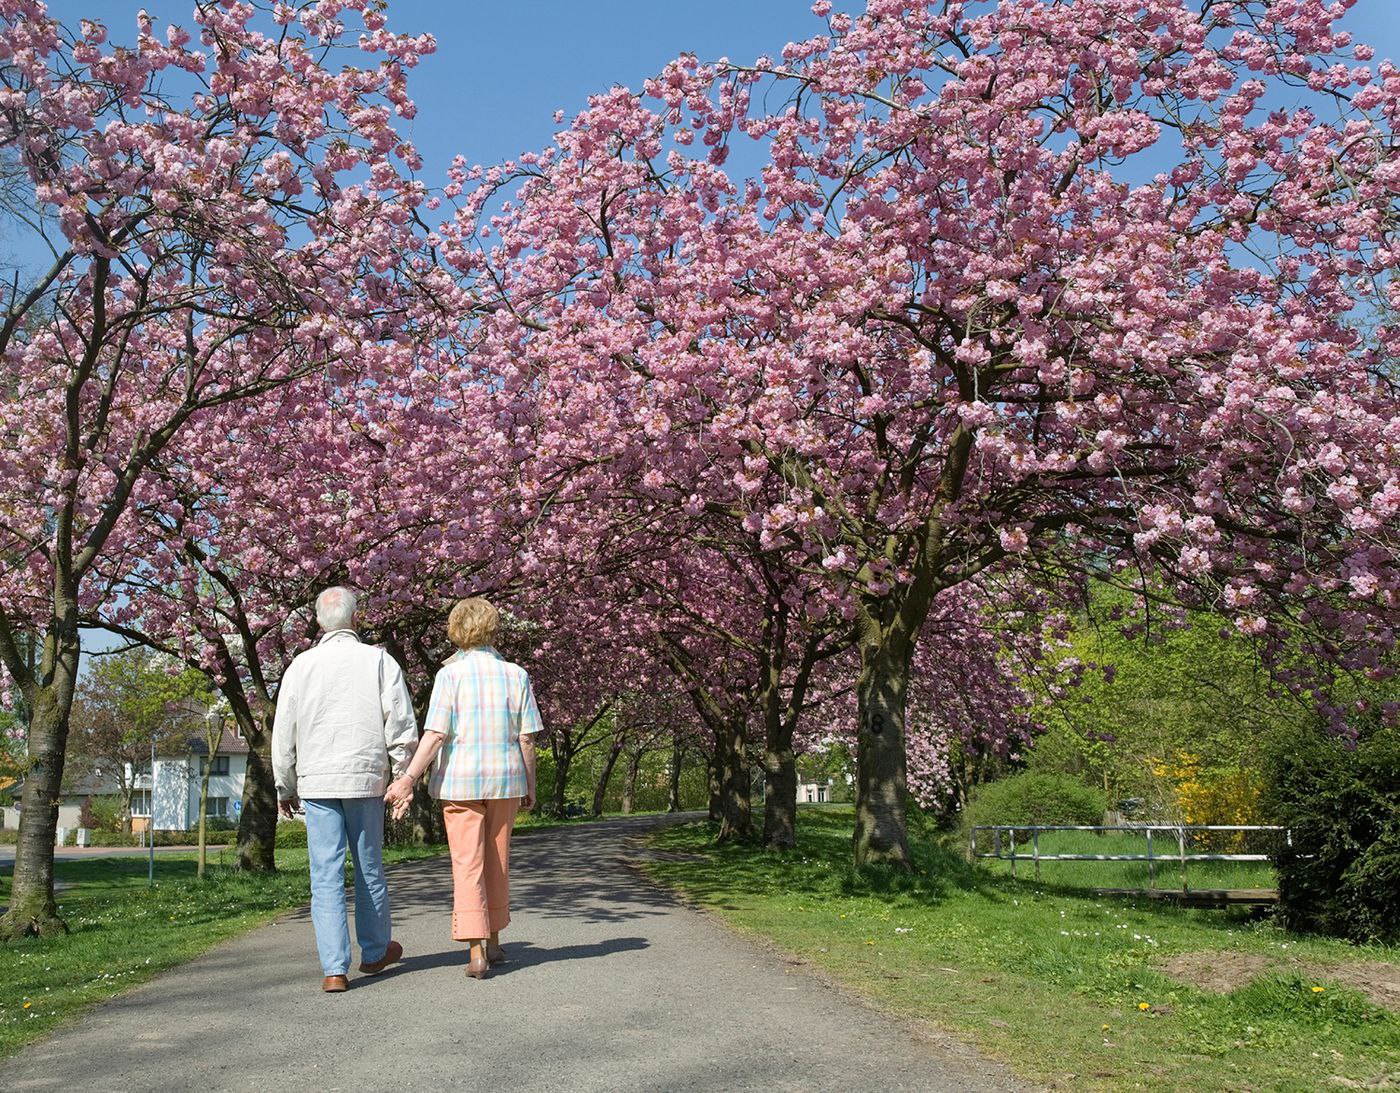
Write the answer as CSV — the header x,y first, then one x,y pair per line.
x,y
1068,988
123,933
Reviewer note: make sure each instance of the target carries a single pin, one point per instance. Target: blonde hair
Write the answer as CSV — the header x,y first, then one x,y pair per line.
x,y
473,622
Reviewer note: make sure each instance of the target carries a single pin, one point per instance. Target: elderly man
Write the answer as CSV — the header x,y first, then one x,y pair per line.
x,y
344,718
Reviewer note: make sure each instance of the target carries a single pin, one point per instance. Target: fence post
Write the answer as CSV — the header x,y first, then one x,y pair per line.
x,y
1181,849
1035,851
1012,833
1151,865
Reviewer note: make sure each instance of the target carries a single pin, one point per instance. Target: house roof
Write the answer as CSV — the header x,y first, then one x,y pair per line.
x,y
85,785
231,744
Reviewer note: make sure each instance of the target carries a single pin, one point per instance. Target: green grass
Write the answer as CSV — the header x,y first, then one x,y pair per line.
x,y
123,933
1046,976
1116,874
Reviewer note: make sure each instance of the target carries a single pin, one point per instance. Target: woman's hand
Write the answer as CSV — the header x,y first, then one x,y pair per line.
x,y
528,801
399,795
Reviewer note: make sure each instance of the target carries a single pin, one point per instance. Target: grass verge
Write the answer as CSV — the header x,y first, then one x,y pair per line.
x,y
1064,986
123,933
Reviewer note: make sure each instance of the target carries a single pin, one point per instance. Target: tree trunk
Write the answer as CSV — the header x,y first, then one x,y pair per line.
x,y
736,817
257,824
715,783
32,907
673,800
203,808
601,790
629,787
881,834
559,800
425,814
780,796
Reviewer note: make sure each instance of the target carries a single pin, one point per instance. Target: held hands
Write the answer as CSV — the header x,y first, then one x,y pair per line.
x,y
528,801
289,807
400,796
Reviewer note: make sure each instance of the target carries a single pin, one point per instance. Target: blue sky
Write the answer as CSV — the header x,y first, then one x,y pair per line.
x,y
503,68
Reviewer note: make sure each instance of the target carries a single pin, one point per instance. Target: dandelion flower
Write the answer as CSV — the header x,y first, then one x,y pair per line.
x,y
1104,1027
28,1004
1318,990
1144,1005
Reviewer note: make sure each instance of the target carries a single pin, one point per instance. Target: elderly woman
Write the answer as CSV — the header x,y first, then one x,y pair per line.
x,y
481,726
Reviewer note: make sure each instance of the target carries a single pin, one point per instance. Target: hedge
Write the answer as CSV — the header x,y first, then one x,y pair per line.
x,y
1340,872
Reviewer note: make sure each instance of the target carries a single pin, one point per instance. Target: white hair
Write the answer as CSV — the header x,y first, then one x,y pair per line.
x,y
335,609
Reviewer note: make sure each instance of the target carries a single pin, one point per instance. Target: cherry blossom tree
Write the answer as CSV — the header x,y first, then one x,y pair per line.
x,y
1032,286
207,249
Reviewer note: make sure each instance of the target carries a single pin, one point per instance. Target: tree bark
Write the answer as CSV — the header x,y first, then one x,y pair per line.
x,y
601,791
33,910
881,834
257,823
559,803
715,783
736,813
425,815
629,787
203,808
780,796
673,799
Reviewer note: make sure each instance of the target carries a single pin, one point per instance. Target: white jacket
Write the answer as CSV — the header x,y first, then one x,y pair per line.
x,y
343,717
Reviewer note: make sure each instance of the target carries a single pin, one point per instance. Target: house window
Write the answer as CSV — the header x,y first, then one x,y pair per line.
x,y
217,808
219,765
141,802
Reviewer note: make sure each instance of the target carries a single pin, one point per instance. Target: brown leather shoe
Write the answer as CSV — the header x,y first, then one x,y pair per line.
x,y
392,953
496,955
477,967
334,984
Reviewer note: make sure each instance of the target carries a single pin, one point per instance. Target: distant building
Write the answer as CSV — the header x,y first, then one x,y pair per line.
x,y
174,798
813,792
70,802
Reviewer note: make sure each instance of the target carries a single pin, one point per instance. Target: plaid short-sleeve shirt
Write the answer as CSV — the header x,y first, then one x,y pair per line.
x,y
483,705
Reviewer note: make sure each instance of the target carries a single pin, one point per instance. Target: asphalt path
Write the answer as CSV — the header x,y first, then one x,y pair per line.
x,y
612,985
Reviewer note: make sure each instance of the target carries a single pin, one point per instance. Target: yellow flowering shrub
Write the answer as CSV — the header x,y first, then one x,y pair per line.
x,y
1212,795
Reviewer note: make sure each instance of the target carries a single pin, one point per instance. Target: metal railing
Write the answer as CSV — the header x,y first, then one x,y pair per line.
x,y
1004,844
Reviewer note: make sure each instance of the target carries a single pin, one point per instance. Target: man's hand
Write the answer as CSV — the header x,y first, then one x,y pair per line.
x,y
289,807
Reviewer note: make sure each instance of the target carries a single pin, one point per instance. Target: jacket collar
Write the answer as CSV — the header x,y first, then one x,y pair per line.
x,y
338,633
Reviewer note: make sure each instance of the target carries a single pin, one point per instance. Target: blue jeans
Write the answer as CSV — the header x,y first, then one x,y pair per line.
x,y
332,825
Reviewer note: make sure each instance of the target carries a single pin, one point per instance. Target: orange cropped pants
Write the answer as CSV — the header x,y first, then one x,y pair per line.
x,y
478,838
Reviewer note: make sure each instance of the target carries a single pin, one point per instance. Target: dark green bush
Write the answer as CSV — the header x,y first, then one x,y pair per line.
x,y
1341,873
290,835
1031,798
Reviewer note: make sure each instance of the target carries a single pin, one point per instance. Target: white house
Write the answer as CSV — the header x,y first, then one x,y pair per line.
x,y
813,792
175,802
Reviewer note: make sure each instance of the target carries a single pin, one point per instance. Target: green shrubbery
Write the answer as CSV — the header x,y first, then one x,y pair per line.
x,y
1341,873
104,812
290,835
1032,798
